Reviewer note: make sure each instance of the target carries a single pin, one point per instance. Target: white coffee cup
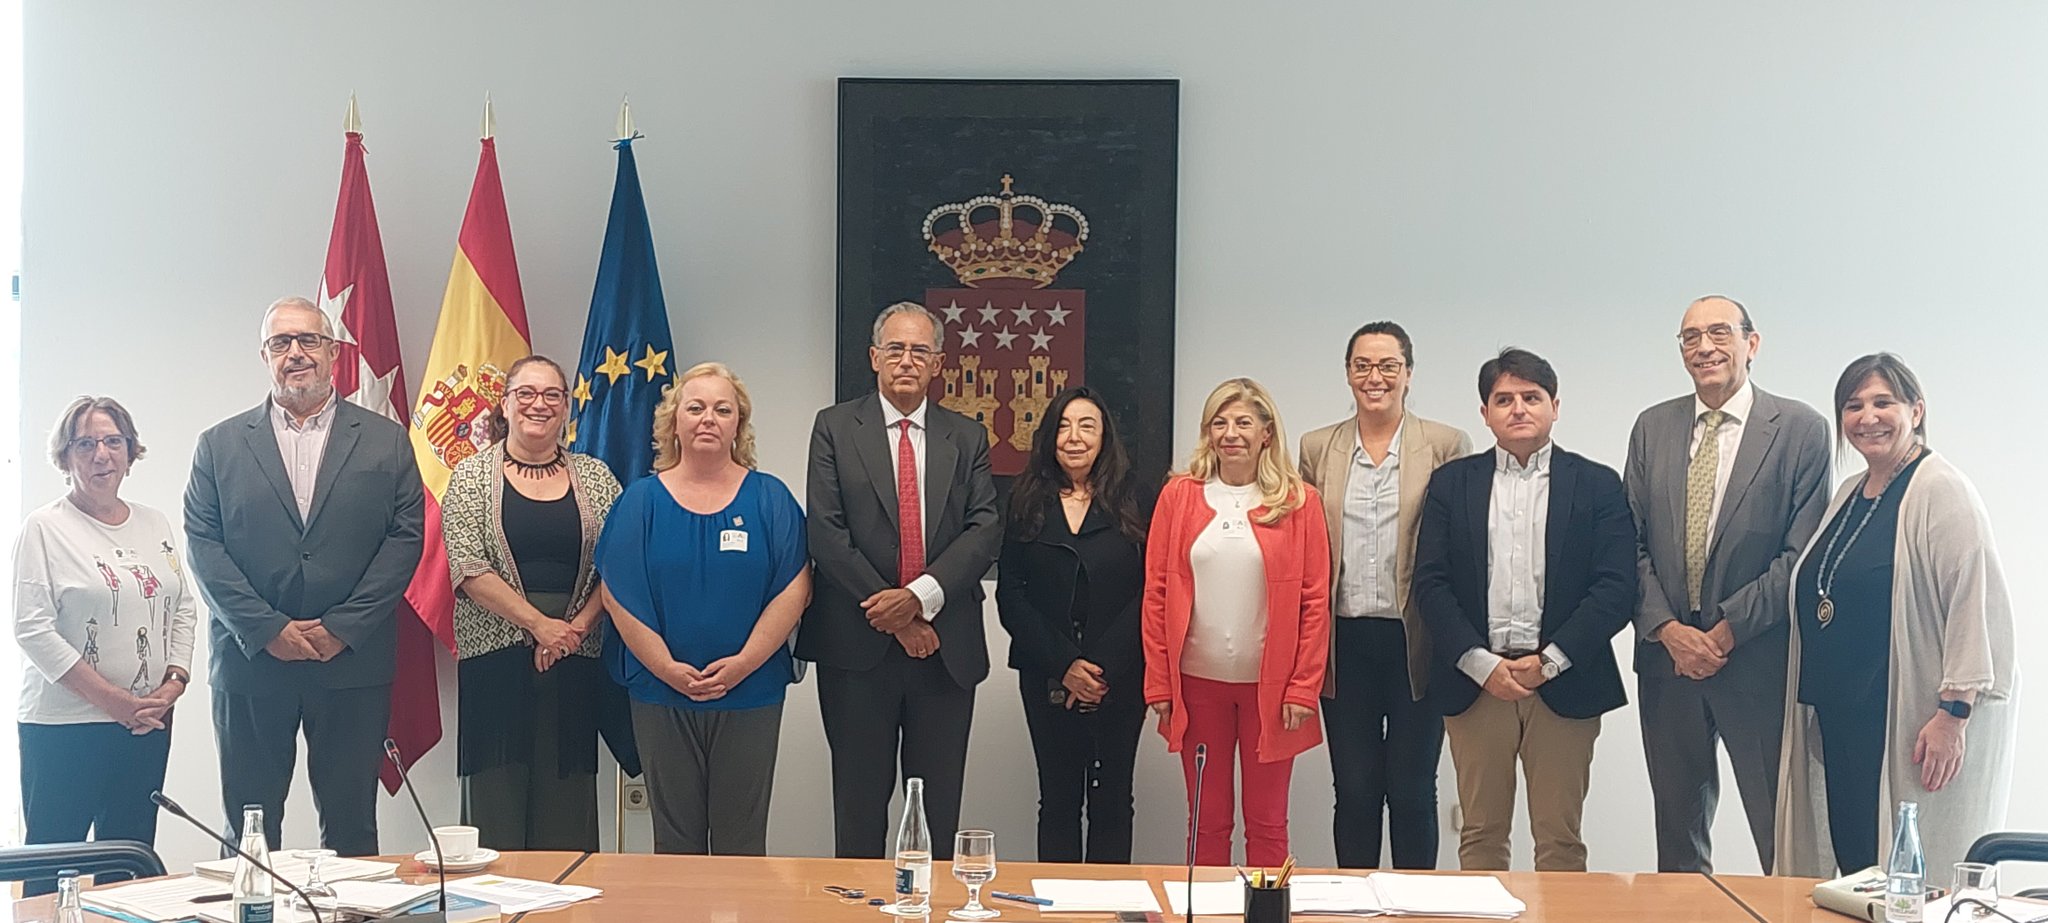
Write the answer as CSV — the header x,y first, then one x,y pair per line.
x,y
458,842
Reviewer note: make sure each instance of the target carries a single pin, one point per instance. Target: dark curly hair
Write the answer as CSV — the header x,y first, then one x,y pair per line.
x,y
1042,478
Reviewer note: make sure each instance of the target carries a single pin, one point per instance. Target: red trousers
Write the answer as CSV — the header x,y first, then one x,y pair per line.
x,y
1226,717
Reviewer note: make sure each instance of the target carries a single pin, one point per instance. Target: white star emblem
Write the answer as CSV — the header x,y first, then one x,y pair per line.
x,y
1056,315
953,311
969,337
1004,337
333,305
1041,340
1023,314
990,313
373,391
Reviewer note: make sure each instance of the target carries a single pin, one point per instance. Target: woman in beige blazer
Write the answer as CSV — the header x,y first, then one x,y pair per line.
x,y
1372,469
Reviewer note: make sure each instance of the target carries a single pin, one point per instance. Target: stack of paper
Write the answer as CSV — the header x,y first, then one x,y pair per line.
x,y
294,868
520,895
1083,895
160,900
1382,893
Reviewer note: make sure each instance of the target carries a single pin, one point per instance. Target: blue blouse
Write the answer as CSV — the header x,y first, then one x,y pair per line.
x,y
700,582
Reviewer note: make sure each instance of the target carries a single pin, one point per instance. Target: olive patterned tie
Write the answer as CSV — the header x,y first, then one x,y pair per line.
x,y
1699,505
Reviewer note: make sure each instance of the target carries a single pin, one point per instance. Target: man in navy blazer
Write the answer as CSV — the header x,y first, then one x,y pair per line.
x,y
1525,570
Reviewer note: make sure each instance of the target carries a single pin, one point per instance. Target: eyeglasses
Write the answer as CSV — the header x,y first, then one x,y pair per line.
x,y
1388,368
87,445
552,397
920,354
1721,334
282,343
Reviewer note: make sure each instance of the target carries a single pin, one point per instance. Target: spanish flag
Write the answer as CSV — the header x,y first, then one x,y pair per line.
x,y
482,331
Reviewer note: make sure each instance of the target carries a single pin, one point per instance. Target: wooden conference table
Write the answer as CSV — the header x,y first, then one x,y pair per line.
x,y
716,889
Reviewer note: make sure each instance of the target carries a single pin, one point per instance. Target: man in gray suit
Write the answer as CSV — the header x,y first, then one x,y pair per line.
x,y
302,584
1726,485
903,525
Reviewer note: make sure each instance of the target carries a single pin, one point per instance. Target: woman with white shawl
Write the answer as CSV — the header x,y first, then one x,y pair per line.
x,y
1902,642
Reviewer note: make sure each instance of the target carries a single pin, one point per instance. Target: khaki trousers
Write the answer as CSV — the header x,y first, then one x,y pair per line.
x,y
1557,761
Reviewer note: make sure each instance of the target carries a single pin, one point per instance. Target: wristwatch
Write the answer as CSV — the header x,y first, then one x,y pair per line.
x,y
1956,707
1550,667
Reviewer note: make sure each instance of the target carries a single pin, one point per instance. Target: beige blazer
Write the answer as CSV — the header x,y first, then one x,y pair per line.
x,y
1326,465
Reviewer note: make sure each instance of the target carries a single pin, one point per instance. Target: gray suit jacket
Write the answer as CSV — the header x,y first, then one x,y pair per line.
x,y
1772,504
852,518
347,564
1326,466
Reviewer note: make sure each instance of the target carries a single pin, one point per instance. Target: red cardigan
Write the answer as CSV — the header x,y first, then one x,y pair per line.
x,y
1297,554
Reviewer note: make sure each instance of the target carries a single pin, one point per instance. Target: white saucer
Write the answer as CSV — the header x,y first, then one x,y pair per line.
x,y
477,860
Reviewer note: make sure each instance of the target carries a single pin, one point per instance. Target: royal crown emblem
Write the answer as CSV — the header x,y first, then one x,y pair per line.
x,y
1006,240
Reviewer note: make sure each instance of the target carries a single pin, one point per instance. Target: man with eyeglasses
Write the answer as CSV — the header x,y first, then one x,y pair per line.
x,y
903,525
302,585
1726,485
1372,469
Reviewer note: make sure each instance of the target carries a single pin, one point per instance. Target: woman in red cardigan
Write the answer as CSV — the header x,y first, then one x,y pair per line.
x,y
1237,619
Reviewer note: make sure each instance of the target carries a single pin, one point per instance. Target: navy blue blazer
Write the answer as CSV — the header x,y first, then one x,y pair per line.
x,y
1589,585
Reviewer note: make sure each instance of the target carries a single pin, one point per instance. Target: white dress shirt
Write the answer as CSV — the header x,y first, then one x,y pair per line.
x,y
929,594
1372,532
302,445
1517,514
1728,439
1227,630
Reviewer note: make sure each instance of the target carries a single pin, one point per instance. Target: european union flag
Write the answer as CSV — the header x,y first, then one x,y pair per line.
x,y
626,343
624,366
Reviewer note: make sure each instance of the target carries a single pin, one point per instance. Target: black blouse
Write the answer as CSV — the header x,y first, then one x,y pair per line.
x,y
1846,661
1070,594
546,538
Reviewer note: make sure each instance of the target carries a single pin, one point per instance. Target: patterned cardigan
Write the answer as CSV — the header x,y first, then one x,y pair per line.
x,y
473,530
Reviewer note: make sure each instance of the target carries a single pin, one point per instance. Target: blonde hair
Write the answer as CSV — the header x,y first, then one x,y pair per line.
x,y
1280,485
668,450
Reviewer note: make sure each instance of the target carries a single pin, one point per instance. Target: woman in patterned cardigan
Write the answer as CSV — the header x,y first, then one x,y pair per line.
x,y
520,521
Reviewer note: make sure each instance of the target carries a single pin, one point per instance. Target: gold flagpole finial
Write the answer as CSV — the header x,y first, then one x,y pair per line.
x,y
625,120
490,119
353,121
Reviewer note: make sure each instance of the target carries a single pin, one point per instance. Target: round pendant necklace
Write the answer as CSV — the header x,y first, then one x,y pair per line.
x,y
1824,576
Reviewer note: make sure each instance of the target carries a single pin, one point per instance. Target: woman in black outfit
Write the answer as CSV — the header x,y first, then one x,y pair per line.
x,y
1067,591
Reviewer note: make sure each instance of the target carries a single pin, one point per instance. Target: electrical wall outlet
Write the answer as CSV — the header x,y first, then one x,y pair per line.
x,y
635,794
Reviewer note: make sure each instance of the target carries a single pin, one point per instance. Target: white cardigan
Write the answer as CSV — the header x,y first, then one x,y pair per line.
x,y
1952,628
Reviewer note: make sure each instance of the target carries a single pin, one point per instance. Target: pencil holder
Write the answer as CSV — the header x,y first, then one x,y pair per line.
x,y
1266,905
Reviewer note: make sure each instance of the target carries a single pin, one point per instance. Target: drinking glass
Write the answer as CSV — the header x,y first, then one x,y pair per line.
x,y
319,892
974,863
1976,881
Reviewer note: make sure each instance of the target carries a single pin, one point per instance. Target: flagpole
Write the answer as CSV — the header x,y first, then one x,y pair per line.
x,y
490,119
625,132
352,123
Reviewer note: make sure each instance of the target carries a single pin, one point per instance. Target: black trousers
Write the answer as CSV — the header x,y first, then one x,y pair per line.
x,y
257,736
1384,748
80,778
1085,764
903,706
1852,764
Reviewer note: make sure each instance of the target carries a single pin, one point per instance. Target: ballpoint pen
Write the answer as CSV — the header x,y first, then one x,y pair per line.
x,y
1021,898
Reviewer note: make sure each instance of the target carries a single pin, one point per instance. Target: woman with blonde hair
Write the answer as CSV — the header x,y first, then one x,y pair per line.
x,y
1236,619
706,572
520,520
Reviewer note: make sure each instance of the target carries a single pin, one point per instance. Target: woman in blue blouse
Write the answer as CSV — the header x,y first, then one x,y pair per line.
x,y
705,575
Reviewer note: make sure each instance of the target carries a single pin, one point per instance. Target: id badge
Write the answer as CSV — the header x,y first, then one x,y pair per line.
x,y
732,540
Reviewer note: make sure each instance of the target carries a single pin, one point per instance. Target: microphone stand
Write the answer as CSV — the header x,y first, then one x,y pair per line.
x,y
440,864
1195,826
177,810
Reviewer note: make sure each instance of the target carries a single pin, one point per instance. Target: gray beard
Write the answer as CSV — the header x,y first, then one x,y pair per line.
x,y
300,400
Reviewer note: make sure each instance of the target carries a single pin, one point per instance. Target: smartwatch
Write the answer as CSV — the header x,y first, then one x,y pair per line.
x,y
1956,707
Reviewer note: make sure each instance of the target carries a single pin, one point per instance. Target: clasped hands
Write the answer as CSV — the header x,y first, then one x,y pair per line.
x,y
305,639
897,611
713,681
1697,654
146,713
1515,679
554,639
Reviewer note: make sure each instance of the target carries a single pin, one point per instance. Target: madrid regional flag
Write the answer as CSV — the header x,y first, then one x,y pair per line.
x,y
355,291
482,331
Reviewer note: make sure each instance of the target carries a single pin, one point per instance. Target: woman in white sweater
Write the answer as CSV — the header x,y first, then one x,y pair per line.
x,y
1902,685
105,620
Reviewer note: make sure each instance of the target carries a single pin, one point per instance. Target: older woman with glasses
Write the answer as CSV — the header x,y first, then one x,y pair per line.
x,y
105,621
521,521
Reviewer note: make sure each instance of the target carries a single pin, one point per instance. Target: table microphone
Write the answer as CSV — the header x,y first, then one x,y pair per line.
x,y
440,865
164,801
1195,826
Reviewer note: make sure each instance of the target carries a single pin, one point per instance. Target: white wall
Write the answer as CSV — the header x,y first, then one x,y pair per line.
x,y
1562,176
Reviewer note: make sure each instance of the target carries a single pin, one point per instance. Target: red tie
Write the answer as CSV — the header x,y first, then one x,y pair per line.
x,y
909,519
